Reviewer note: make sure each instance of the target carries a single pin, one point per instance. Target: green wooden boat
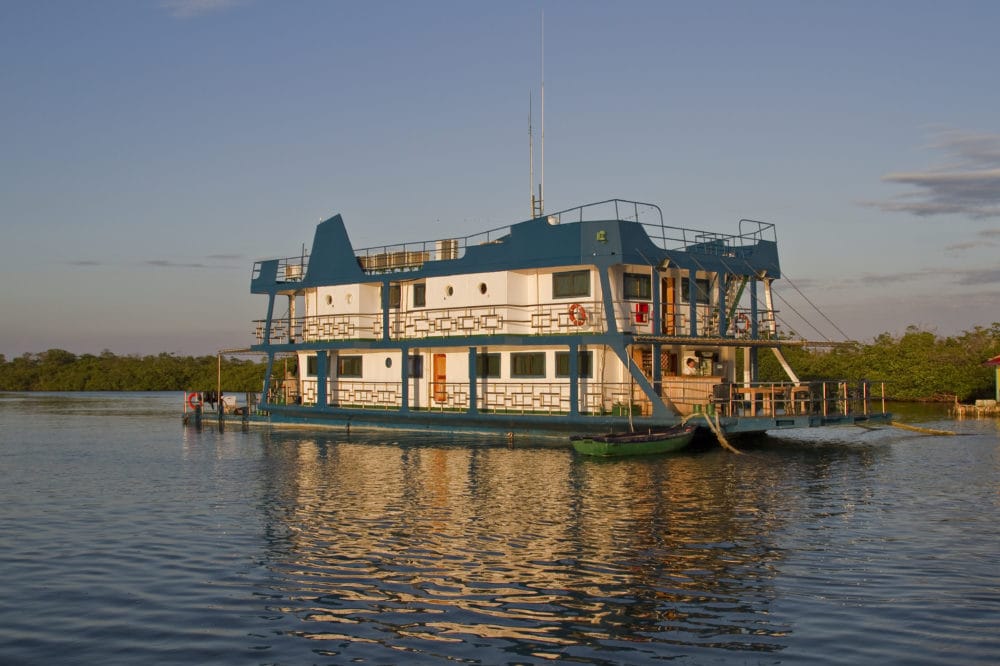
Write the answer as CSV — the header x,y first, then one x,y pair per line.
x,y
635,443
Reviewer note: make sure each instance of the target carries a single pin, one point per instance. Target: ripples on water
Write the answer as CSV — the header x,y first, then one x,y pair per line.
x,y
127,538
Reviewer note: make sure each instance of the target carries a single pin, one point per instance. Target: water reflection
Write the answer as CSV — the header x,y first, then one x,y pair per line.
x,y
423,548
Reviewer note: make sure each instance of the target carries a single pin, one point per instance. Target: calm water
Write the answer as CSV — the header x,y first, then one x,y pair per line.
x,y
126,538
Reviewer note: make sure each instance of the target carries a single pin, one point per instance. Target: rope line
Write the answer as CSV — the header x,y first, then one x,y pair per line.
x,y
716,429
926,431
815,307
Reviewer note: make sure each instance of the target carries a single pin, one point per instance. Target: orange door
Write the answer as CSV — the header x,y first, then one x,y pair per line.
x,y
439,385
669,305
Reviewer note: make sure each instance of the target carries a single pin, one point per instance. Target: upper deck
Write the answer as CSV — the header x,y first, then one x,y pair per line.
x,y
605,233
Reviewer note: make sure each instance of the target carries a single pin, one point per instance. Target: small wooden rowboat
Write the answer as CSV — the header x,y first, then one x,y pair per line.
x,y
635,443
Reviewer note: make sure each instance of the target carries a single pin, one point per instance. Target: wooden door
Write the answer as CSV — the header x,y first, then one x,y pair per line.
x,y
669,298
439,385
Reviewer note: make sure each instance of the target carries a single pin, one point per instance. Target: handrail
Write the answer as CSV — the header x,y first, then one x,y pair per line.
x,y
410,255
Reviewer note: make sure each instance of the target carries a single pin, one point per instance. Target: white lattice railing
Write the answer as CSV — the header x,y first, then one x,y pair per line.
x,y
493,395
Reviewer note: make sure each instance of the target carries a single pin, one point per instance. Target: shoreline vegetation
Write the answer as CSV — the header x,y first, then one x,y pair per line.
x,y
918,365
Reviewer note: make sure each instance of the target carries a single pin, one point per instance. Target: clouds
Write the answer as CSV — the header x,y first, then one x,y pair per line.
x,y
977,277
939,276
968,184
985,238
213,264
183,9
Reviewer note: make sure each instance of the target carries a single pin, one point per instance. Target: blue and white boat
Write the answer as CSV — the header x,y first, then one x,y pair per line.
x,y
593,319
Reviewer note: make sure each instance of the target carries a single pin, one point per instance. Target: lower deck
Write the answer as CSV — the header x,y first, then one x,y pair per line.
x,y
508,409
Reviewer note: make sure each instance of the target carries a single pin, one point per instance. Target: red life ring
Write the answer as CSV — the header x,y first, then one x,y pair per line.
x,y
742,324
194,401
577,315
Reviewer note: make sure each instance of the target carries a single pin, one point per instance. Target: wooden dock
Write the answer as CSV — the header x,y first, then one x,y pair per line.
x,y
981,408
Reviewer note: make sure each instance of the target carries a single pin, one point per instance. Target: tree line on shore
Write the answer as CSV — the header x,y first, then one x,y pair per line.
x,y
917,365
60,370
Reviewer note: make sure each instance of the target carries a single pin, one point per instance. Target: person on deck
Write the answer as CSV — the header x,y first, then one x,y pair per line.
x,y
691,367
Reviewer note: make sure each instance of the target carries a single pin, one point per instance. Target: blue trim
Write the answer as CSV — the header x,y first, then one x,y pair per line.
x,y
753,329
723,289
473,382
574,379
322,374
404,377
693,302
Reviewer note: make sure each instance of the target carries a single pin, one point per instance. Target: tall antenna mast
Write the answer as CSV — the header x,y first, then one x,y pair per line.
x,y
537,203
531,160
541,184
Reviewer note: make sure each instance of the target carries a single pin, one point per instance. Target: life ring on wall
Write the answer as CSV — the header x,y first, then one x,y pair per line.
x,y
741,324
194,400
577,315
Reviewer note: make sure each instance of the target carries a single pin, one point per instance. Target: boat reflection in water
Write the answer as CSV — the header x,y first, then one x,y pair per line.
x,y
438,549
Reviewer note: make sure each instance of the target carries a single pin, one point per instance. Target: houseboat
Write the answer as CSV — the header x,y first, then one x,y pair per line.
x,y
594,319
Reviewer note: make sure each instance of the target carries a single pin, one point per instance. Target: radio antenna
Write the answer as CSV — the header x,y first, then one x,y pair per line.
x,y
537,203
531,160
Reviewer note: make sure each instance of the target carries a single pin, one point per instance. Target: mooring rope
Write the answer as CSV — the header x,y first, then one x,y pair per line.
x,y
716,429
926,431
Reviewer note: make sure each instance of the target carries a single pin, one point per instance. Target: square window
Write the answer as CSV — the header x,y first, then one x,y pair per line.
x,y
571,284
394,293
637,287
419,295
349,366
527,365
584,364
702,294
488,365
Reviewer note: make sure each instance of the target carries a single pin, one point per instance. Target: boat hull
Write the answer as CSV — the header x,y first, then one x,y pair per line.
x,y
635,444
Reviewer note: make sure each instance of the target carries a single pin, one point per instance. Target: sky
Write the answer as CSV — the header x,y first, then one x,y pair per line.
x,y
152,150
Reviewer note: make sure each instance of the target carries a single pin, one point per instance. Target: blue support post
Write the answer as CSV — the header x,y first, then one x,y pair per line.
x,y
322,373
404,379
385,310
267,377
473,382
693,303
753,329
657,316
723,306
574,379
270,318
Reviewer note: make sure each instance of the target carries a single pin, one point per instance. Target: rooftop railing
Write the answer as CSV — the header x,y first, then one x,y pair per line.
x,y
412,255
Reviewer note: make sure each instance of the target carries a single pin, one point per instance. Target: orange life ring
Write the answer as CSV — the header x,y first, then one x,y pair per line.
x,y
194,401
577,315
742,323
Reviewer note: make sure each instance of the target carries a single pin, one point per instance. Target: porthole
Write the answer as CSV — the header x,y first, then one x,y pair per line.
x,y
329,299
348,299
449,290
482,288
388,362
